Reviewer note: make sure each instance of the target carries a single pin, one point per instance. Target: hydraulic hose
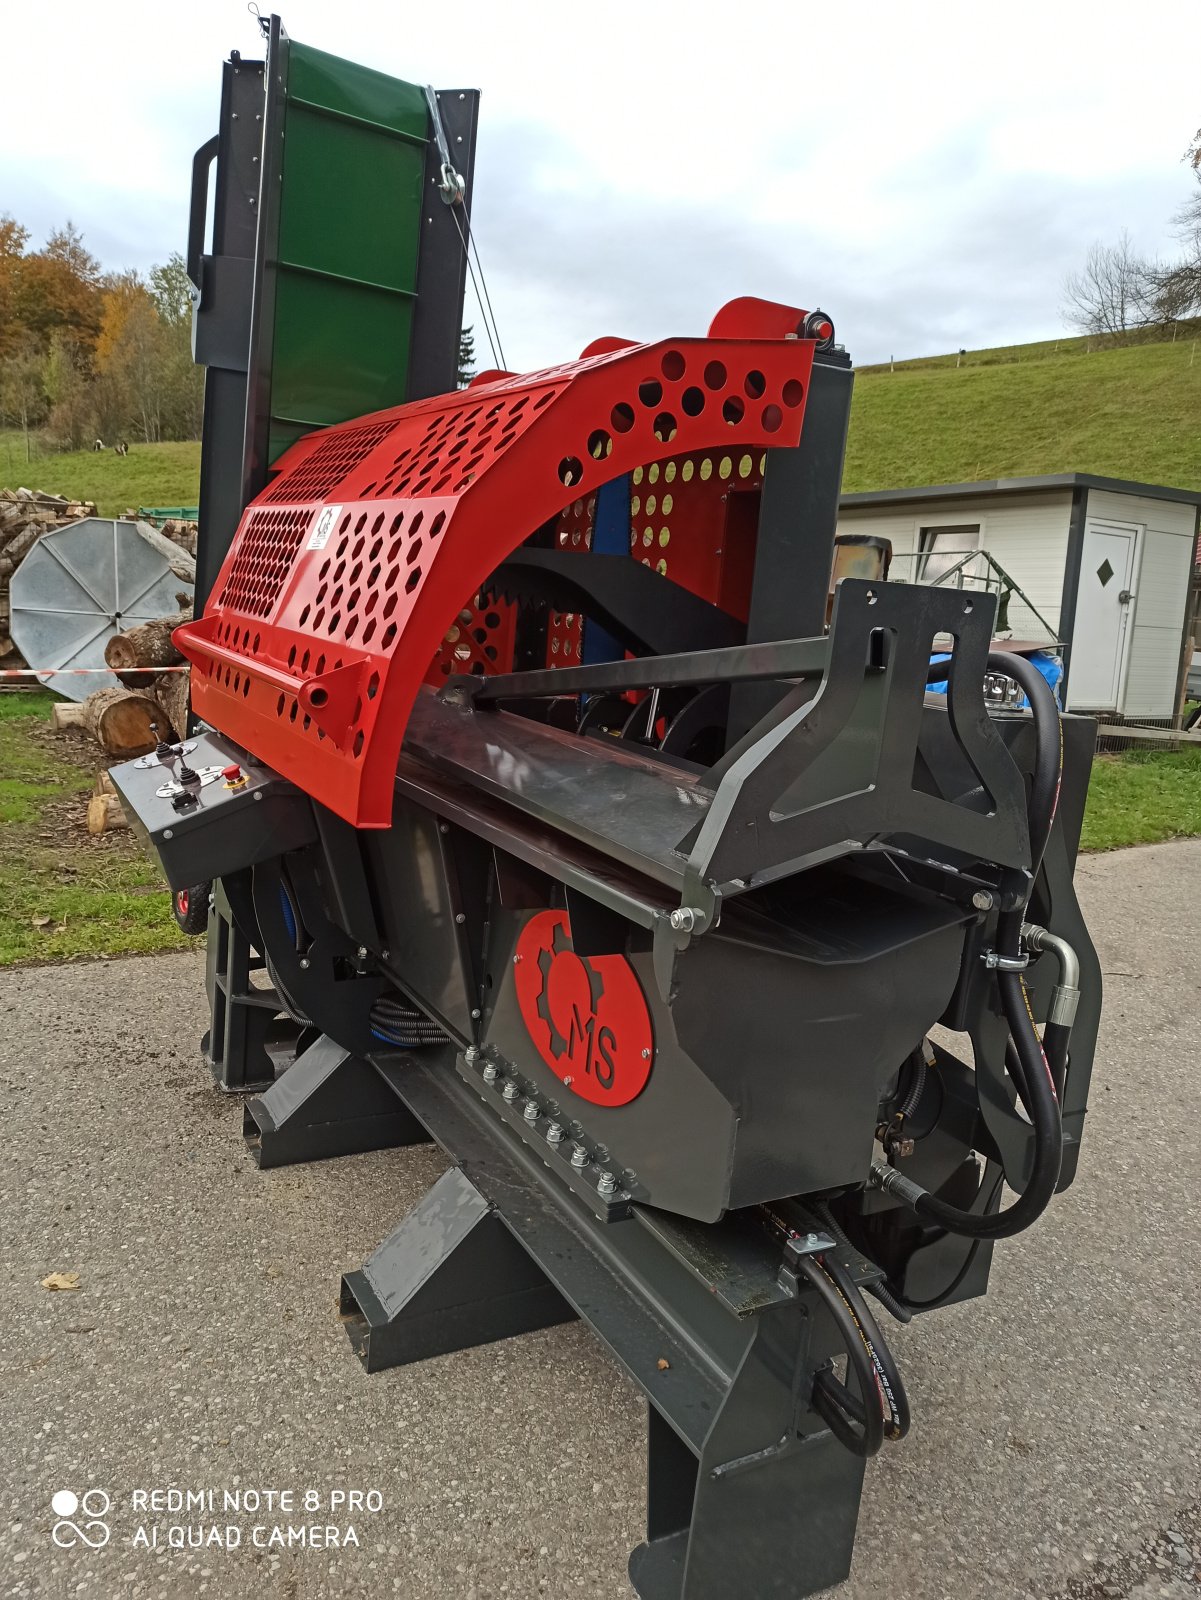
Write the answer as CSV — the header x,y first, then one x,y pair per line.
x,y
887,1373
1033,1078
857,1425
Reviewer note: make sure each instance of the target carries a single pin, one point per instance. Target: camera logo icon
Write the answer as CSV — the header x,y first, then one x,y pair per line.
x,y
93,1505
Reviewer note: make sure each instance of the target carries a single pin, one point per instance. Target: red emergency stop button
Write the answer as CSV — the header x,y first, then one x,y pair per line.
x,y
234,777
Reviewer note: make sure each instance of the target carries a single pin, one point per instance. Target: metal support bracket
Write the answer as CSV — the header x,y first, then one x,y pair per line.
x,y
248,1026
329,1103
449,1277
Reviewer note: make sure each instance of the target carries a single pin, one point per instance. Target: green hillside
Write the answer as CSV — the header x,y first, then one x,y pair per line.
x,y
1066,405
1062,406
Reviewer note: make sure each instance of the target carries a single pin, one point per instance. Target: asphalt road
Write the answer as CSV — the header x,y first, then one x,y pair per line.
x,y
1057,1422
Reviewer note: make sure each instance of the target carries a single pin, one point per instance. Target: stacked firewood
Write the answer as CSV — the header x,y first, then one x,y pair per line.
x,y
26,514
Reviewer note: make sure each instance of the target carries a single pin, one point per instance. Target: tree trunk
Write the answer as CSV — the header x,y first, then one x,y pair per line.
x,y
172,691
149,645
119,721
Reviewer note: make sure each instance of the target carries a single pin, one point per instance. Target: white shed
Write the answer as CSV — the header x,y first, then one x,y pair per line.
x,y
1106,563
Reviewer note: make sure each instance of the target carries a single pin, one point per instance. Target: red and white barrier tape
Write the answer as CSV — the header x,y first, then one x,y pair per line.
x,y
80,672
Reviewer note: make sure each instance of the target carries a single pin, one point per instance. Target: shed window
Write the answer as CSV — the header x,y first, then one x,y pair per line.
x,y
944,547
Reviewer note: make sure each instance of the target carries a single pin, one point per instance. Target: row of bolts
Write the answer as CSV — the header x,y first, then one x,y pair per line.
x,y
606,1184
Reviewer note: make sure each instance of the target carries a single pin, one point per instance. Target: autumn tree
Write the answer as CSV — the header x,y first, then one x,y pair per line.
x,y
58,289
13,239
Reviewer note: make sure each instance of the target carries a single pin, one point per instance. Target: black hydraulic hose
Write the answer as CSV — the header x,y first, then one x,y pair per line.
x,y
1056,1037
838,1416
1034,1075
887,1372
1048,748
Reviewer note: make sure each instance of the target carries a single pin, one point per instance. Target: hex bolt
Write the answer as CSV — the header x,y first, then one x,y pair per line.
x,y
475,1013
579,1156
304,963
510,1092
516,961
646,1055
460,918
683,919
530,1111
362,952
491,1073
471,1053
606,1184
983,900
554,1133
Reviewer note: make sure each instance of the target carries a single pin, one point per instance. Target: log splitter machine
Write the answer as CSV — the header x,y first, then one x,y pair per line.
x,y
575,840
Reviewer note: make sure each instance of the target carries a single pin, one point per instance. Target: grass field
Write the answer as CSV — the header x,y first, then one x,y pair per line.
x,y
1125,413
150,475
64,893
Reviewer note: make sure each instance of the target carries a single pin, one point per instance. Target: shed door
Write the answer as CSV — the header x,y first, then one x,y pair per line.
x,y
1102,623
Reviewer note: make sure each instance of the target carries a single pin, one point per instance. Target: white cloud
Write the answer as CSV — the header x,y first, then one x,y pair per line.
x,y
928,173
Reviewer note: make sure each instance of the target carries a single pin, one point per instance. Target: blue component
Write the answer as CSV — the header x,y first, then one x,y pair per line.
x,y
1050,666
285,905
610,537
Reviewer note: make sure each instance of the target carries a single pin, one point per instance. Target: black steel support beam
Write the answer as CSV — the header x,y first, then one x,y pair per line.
x,y
328,1103
783,658
798,518
247,1025
451,1276
221,328
748,1492
442,262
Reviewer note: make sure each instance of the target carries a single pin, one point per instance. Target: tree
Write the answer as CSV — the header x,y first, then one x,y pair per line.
x,y
1112,292
71,418
1176,288
183,380
13,239
22,389
466,357
58,289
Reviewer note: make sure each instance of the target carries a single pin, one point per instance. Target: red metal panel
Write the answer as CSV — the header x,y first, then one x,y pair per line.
x,y
346,575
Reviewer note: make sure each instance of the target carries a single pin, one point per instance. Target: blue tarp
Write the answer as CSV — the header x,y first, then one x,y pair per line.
x,y
1050,666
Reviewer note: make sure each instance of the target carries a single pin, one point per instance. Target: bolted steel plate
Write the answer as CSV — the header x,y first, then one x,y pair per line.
x,y
77,587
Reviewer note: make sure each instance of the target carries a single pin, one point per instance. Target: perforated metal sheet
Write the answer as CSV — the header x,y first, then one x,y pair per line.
x,y
349,576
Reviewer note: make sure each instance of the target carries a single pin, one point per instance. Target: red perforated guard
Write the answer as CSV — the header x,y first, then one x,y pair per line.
x,y
348,571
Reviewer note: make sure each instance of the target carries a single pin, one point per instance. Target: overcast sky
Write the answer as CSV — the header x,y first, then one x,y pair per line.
x,y
927,173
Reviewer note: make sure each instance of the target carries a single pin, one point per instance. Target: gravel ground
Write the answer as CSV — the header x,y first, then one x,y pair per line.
x,y
1056,1443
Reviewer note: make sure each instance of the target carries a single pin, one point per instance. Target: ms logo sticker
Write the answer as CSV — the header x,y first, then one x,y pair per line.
x,y
588,1017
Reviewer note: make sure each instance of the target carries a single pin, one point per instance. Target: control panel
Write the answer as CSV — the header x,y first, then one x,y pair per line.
x,y
206,807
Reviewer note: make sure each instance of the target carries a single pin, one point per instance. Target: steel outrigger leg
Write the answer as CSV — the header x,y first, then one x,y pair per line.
x,y
328,1103
448,1277
772,1521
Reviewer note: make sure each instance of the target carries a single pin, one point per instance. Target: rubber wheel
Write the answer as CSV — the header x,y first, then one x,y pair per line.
x,y
190,907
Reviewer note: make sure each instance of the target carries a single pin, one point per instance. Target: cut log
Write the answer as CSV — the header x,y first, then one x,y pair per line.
x,y
171,690
67,714
119,721
105,813
149,645
104,784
